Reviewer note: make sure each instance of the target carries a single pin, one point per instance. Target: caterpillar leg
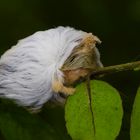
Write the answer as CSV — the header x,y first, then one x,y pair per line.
x,y
57,86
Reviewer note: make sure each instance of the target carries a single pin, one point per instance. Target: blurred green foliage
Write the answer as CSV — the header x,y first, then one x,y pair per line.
x,y
16,123
115,22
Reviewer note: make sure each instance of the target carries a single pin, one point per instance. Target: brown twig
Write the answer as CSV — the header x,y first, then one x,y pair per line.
x,y
116,68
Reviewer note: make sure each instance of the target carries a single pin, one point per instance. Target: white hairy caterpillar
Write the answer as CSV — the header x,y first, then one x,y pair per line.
x,y
28,69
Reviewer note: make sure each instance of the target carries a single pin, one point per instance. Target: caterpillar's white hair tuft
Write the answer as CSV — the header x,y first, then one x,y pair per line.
x,y
28,68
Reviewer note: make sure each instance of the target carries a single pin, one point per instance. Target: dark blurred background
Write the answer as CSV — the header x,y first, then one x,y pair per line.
x,y
116,23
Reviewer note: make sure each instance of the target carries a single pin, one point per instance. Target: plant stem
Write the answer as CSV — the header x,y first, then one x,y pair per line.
x,y
116,68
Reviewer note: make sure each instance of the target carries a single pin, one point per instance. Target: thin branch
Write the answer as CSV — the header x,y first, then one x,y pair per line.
x,y
116,68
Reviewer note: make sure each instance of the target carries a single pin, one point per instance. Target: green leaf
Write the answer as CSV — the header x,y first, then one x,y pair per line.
x,y
135,118
107,108
94,117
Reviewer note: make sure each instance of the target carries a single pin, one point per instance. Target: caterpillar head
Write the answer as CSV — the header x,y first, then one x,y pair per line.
x,y
84,58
